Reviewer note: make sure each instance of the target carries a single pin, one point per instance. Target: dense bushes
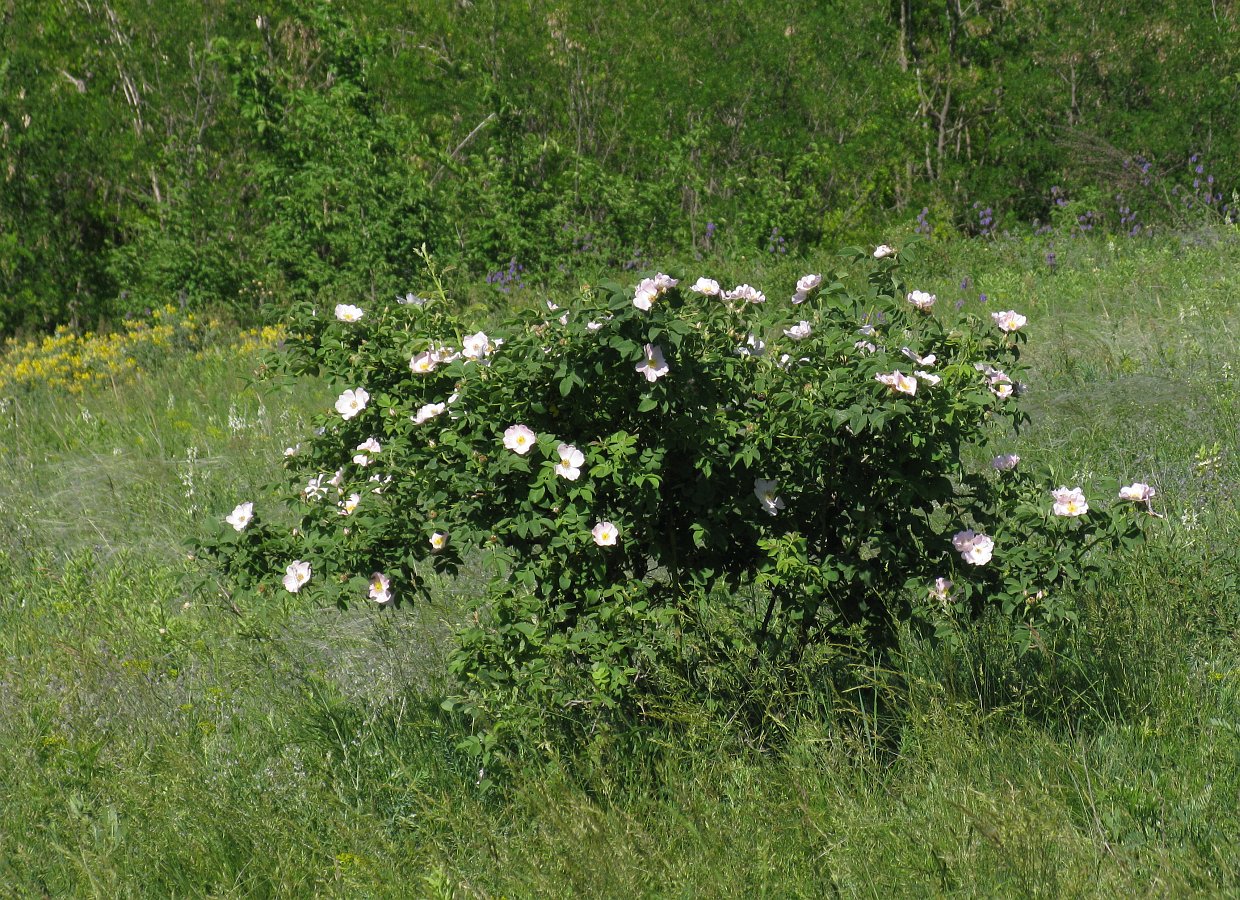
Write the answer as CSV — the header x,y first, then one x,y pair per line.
x,y
192,151
673,484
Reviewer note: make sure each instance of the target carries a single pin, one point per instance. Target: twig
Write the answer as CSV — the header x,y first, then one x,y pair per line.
x,y
459,147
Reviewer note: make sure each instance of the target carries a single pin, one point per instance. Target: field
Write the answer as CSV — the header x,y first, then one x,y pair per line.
x,y
158,739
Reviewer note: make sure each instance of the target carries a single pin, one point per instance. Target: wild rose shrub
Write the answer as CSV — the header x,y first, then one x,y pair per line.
x,y
661,471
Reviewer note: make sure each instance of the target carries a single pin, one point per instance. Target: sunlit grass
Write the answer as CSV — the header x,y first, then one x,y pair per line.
x,y
158,740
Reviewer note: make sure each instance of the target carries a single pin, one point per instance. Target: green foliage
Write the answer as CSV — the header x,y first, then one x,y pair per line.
x,y
198,153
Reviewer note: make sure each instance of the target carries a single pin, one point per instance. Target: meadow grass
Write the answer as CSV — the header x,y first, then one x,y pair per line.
x,y
157,739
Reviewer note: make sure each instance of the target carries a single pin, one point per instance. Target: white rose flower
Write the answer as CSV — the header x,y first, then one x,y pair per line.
x,y
882,251
807,283
764,489
707,287
519,439
352,402
429,411
898,381
745,292
1137,492
974,547
604,534
478,346
1005,462
653,366
799,332
438,541
296,575
1069,502
347,313
380,588
920,360
753,346
1009,320
570,462
423,363
240,517
922,300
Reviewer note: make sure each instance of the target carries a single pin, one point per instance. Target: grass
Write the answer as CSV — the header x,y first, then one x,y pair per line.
x,y
154,742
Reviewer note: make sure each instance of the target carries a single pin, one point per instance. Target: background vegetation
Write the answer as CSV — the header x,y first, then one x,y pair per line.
x,y
212,162
199,152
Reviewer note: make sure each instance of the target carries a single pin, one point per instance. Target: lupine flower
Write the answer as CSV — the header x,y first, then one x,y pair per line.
x,y
1005,462
604,534
941,589
898,381
438,541
764,489
653,365
707,287
296,575
240,517
922,300
928,377
352,402
882,251
1009,320
745,292
798,332
974,547
1069,502
347,313
807,283
519,439
753,346
920,360
570,462
1137,492
478,346
429,411
349,506
380,588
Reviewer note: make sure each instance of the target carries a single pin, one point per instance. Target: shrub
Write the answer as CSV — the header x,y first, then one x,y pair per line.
x,y
672,481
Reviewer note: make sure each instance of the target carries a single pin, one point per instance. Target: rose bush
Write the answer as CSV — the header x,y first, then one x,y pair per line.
x,y
671,479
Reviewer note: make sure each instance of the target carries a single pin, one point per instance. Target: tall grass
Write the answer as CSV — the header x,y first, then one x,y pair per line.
x,y
156,740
